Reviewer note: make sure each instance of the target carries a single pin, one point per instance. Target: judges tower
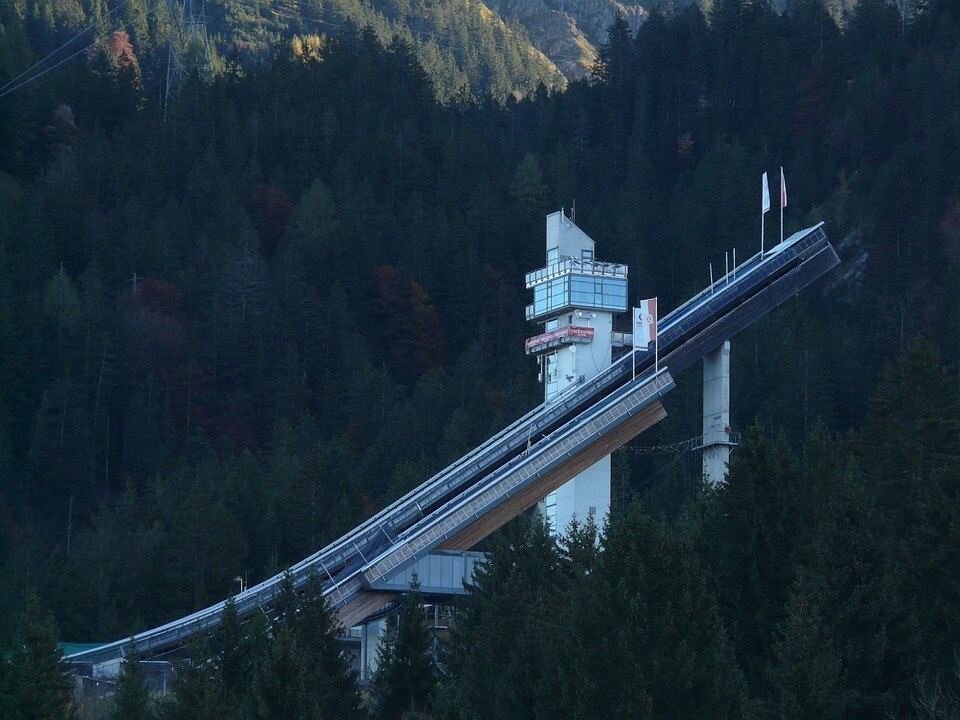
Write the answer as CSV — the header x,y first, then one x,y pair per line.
x,y
575,297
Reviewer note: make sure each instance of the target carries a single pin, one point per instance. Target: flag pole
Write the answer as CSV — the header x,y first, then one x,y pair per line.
x,y
656,341
764,206
783,196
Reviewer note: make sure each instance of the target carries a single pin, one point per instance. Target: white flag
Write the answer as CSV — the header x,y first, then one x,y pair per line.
x,y
645,324
766,194
783,190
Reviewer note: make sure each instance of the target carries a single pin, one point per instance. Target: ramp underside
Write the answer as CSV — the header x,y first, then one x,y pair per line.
x,y
531,495
367,602
362,607
505,475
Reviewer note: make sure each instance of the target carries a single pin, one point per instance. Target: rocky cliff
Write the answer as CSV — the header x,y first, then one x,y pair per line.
x,y
568,31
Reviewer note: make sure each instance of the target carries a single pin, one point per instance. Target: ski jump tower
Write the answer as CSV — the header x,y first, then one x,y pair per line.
x,y
575,297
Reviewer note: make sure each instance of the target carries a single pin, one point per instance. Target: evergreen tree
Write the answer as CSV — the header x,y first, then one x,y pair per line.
x,y
500,664
749,542
195,690
35,683
649,639
407,670
329,680
807,673
132,699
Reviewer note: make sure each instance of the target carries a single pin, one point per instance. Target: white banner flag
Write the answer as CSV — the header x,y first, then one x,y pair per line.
x,y
645,324
766,194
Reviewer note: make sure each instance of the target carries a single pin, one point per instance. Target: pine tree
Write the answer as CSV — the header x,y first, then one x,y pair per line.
x,y
330,681
407,671
233,661
195,691
501,663
132,700
749,542
35,683
648,634
807,671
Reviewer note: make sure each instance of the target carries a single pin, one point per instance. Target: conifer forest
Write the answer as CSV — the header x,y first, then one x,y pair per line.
x,y
237,321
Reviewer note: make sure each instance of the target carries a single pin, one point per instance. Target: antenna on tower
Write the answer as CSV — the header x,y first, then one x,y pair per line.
x,y
189,49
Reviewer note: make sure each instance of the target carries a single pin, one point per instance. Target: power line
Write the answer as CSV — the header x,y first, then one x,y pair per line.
x,y
68,42
69,57
52,67
760,376
417,35
639,485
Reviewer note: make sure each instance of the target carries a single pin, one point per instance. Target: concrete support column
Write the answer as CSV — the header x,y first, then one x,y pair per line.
x,y
370,636
716,414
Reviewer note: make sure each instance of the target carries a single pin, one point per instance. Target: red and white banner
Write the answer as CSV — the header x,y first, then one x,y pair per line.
x,y
558,334
645,324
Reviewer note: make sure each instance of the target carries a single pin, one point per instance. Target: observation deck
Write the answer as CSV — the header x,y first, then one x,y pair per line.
x,y
572,283
514,468
575,266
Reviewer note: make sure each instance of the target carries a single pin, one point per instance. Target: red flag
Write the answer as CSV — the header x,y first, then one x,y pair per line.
x,y
783,190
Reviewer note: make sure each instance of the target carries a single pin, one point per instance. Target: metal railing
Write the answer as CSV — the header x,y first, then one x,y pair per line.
x,y
696,327
569,266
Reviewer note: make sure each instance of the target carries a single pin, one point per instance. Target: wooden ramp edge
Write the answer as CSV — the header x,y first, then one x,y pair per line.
x,y
368,602
362,607
532,494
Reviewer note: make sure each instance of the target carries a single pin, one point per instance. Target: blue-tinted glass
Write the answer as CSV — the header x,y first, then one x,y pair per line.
x,y
580,291
615,288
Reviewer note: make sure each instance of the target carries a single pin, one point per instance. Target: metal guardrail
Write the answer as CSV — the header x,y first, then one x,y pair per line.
x,y
569,266
552,452
340,562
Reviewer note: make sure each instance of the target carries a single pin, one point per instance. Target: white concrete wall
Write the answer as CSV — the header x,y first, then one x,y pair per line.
x,y
588,492
371,635
562,233
716,414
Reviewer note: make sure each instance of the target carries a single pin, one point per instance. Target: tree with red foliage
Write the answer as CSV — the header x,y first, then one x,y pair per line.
x,y
117,85
409,324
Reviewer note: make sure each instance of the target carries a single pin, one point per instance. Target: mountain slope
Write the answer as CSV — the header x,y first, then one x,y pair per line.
x,y
569,31
463,45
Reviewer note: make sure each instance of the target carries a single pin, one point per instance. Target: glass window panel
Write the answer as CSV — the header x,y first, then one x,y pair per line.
x,y
581,285
614,288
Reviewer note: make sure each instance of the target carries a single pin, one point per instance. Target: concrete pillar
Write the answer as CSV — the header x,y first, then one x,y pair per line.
x,y
716,414
370,636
